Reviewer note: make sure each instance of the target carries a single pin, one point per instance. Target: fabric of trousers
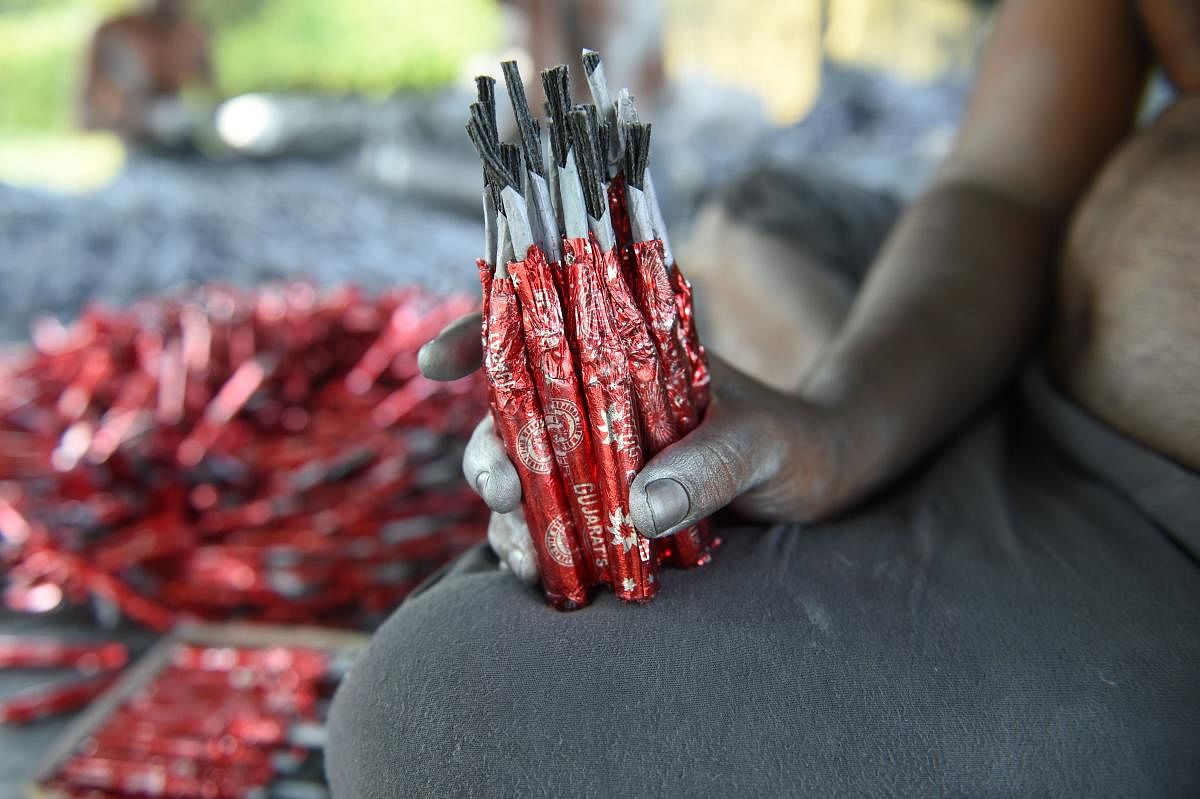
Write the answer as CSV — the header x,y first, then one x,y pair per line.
x,y
1020,616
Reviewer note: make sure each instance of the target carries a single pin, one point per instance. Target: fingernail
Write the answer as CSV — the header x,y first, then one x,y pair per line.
x,y
424,359
668,502
481,482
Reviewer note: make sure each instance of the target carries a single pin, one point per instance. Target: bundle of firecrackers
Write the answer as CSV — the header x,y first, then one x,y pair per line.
x,y
591,354
269,454
206,722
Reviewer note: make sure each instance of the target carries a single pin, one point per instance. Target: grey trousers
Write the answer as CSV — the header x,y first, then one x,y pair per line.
x,y
1018,617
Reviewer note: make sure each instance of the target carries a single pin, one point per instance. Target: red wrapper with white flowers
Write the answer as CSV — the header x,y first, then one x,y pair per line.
x,y
520,424
607,368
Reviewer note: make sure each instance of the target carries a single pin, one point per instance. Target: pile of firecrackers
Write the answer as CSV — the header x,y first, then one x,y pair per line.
x,y
269,454
274,455
590,346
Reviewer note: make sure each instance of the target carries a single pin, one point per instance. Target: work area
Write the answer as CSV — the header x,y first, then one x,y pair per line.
x,y
575,398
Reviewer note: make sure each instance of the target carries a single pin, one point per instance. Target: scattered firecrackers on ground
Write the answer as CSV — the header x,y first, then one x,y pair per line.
x,y
591,352
212,712
268,454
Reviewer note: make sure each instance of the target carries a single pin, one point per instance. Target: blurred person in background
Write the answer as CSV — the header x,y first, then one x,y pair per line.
x,y
139,68
1002,593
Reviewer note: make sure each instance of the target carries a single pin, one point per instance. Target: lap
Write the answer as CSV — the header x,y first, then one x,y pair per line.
x,y
1002,623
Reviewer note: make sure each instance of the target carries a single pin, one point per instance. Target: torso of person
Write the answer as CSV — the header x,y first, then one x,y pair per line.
x,y
1125,341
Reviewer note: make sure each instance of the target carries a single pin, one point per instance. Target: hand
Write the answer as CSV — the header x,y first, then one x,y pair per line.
x,y
770,455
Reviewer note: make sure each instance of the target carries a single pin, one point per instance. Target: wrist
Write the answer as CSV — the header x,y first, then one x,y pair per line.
x,y
861,428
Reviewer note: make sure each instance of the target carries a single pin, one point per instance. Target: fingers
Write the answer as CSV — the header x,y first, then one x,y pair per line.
x,y
509,537
488,470
455,352
703,472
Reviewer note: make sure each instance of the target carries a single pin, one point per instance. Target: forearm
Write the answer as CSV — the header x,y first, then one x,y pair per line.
x,y
945,316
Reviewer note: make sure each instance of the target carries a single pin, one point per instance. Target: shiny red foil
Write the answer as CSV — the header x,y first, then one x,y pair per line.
x,y
556,378
658,301
618,213
690,339
656,297
39,653
270,454
36,703
214,721
657,422
521,426
486,273
612,416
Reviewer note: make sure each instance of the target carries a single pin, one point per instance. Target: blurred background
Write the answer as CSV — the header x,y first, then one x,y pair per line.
x,y
325,139
151,147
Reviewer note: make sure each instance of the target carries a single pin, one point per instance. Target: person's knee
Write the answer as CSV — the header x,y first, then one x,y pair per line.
x,y
384,726
420,712
358,733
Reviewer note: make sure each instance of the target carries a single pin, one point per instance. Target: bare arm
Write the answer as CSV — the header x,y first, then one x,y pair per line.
x,y
948,310
958,294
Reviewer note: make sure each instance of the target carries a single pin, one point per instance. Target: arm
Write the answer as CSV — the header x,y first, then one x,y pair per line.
x,y
957,296
948,310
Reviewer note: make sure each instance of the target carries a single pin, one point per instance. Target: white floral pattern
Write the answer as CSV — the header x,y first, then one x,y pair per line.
x,y
621,529
611,426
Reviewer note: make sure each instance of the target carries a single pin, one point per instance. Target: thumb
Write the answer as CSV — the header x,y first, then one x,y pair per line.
x,y
700,474
455,352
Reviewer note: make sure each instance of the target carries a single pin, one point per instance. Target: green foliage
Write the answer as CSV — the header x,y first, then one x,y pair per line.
x,y
41,52
370,46
365,45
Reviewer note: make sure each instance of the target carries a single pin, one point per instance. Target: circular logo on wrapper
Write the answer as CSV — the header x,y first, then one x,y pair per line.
x,y
532,448
557,543
564,424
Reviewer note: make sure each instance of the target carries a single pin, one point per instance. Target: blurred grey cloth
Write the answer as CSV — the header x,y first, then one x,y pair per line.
x,y
1021,616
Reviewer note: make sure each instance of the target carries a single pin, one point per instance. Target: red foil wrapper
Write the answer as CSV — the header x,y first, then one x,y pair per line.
x,y
180,779
213,721
520,425
24,707
38,653
658,301
622,227
234,453
554,374
656,297
690,339
656,420
485,282
612,415
658,424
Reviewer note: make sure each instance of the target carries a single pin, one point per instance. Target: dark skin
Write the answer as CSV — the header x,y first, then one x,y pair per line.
x,y
967,285
138,59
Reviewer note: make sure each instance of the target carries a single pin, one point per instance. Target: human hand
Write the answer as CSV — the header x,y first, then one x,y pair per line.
x,y
770,455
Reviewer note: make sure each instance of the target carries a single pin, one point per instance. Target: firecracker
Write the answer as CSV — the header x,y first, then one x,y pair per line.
x,y
208,721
